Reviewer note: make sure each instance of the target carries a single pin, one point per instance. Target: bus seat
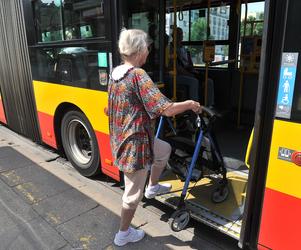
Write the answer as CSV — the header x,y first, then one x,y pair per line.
x,y
182,90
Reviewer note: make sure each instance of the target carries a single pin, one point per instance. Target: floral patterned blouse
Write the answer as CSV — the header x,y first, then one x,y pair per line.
x,y
134,103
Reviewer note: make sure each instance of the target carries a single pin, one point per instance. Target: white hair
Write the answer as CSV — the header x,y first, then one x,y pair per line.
x,y
131,42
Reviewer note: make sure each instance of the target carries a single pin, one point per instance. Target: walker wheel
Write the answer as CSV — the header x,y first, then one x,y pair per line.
x,y
179,220
220,194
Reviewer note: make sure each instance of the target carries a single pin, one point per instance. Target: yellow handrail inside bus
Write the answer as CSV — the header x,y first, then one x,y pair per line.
x,y
249,148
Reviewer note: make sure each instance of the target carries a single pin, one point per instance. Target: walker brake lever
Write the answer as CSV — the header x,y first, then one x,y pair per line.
x,y
171,126
198,121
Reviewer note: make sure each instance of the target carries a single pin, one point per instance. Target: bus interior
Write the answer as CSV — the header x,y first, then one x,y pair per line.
x,y
226,46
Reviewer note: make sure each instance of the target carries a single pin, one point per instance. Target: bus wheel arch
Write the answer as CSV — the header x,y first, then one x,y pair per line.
x,y
76,138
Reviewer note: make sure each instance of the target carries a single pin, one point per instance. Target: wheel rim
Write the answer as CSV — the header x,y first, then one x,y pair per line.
x,y
80,142
220,195
181,220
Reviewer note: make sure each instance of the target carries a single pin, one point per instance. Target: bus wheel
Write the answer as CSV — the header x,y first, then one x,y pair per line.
x,y
80,143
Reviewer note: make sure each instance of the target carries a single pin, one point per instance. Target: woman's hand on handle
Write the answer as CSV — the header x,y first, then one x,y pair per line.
x,y
180,107
196,107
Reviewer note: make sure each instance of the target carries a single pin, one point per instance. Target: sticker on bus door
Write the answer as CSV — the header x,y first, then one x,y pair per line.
x,y
286,84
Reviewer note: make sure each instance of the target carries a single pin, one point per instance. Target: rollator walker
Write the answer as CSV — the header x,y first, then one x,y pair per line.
x,y
192,160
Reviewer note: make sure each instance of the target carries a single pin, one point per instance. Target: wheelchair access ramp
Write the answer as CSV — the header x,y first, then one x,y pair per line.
x,y
226,216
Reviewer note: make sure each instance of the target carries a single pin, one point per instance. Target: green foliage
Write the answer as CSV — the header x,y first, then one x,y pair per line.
x,y
257,27
199,30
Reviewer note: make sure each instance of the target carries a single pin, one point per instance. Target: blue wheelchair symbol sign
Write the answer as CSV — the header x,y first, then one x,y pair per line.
x,y
285,91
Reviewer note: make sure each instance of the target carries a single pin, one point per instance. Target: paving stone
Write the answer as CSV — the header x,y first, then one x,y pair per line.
x,y
13,160
5,150
64,206
13,209
37,154
34,235
92,230
68,247
10,235
146,243
33,192
27,174
11,178
23,228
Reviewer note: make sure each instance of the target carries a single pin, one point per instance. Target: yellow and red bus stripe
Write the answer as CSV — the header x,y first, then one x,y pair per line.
x,y
91,102
280,221
284,176
2,114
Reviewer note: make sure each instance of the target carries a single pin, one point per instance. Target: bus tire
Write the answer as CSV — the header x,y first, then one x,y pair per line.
x,y
80,143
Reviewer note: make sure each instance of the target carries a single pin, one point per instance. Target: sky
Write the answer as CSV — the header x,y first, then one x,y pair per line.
x,y
253,7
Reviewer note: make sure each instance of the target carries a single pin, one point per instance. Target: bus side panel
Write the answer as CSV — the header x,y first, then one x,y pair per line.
x,y
2,114
47,129
106,156
262,248
280,225
281,219
259,247
91,102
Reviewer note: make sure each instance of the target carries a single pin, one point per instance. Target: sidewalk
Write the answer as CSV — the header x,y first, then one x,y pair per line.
x,y
46,204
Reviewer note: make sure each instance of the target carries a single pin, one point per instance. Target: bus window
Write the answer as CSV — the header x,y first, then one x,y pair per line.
x,y
250,33
82,19
255,14
144,15
66,20
194,25
48,17
73,66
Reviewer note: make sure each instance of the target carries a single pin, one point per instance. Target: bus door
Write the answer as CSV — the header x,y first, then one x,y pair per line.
x,y
146,15
281,219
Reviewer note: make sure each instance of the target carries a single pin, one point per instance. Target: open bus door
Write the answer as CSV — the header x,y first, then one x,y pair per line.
x,y
240,216
226,216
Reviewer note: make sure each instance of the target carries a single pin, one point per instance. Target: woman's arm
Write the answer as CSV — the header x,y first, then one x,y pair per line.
x,y
180,107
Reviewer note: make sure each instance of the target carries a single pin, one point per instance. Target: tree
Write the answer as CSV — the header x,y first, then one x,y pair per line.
x,y
257,27
198,33
199,30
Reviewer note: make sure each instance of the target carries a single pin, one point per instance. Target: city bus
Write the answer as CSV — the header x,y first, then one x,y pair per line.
x,y
55,62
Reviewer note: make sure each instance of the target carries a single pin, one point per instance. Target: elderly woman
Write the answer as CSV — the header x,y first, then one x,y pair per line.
x,y
134,104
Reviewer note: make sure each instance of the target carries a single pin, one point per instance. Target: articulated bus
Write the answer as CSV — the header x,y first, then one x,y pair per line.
x,y
55,62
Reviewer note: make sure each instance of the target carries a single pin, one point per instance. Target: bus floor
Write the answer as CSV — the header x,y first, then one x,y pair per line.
x,y
227,215
232,140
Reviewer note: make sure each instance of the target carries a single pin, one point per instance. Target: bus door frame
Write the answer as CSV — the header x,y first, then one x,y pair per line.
x,y
272,44
117,25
